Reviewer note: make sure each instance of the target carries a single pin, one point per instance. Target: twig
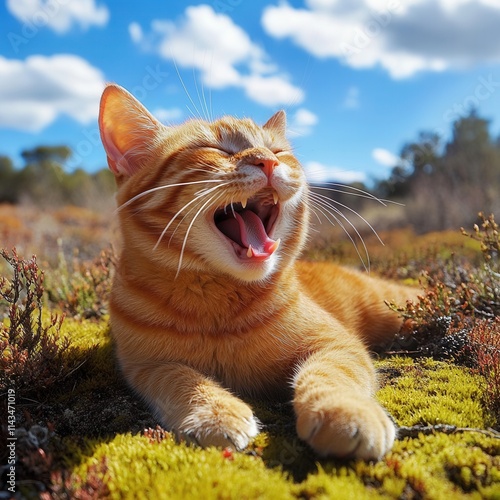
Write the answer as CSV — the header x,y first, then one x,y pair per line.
x,y
426,430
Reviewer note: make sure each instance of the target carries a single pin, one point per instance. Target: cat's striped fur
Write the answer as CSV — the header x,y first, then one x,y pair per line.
x,y
209,302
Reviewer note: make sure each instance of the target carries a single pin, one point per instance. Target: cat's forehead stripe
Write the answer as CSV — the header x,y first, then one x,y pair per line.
x,y
237,135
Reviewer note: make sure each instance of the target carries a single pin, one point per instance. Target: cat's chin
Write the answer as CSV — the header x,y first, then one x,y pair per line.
x,y
252,272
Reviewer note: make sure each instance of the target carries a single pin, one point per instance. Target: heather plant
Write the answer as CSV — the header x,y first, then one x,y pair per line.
x,y
81,288
484,346
33,353
457,315
488,278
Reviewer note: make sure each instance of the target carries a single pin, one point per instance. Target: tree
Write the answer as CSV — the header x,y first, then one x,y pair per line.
x,y
446,187
46,154
417,159
8,185
42,178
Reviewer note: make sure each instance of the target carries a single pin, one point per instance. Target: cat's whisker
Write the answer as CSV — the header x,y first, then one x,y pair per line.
x,y
203,108
366,264
189,230
197,198
165,186
187,213
332,211
186,91
209,109
184,217
171,222
354,192
202,99
324,212
316,215
330,201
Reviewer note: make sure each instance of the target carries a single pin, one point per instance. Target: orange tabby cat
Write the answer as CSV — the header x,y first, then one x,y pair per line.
x,y
209,302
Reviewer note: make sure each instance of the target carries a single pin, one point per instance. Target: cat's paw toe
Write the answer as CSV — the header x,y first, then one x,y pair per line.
x,y
237,437
349,429
232,427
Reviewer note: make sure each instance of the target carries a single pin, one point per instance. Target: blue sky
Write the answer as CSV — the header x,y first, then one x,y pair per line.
x,y
358,78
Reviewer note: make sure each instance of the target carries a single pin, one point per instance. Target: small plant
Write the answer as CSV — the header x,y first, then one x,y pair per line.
x,y
458,315
82,289
485,347
488,280
33,354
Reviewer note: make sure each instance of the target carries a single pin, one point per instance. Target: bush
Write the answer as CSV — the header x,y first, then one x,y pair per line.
x,y
81,289
485,348
33,354
457,316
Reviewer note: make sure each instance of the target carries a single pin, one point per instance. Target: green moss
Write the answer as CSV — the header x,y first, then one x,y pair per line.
x,y
93,337
86,334
433,466
340,483
431,392
138,468
436,467
279,466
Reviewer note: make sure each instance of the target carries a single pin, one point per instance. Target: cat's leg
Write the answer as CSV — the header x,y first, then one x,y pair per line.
x,y
194,406
334,405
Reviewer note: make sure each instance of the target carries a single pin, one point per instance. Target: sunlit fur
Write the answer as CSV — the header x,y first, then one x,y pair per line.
x,y
196,327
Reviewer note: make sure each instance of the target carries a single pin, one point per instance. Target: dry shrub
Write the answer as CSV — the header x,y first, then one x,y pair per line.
x,y
33,354
13,229
91,487
457,317
485,347
488,278
81,289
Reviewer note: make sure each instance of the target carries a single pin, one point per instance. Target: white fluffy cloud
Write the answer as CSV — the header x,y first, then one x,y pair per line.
x,y
135,32
59,15
302,123
168,115
318,173
402,37
385,157
34,92
222,52
271,90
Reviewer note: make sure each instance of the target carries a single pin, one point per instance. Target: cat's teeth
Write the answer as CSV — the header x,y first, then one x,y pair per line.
x,y
250,252
275,197
244,202
275,246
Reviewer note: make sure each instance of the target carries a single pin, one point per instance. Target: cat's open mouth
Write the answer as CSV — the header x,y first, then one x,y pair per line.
x,y
249,225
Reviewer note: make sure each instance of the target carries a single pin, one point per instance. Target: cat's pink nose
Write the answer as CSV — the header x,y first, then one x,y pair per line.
x,y
267,164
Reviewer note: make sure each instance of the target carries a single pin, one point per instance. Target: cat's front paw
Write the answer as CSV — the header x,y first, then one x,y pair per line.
x,y
228,425
346,428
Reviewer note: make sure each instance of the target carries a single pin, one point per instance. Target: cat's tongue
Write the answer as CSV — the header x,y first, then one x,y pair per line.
x,y
248,231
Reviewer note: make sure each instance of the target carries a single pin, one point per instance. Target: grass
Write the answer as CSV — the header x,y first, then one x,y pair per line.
x,y
83,434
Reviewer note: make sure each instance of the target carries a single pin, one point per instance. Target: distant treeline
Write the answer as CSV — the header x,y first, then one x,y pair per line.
x,y
442,184
445,185
44,180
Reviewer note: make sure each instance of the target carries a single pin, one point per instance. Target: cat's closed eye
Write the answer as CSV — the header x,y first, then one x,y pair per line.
x,y
219,149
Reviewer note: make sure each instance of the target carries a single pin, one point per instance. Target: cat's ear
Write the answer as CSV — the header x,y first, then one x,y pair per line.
x,y
277,123
128,130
